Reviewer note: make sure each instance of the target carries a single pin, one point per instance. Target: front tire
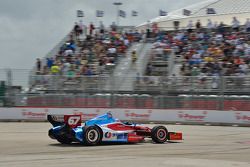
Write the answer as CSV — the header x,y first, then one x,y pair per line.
x,y
159,134
92,135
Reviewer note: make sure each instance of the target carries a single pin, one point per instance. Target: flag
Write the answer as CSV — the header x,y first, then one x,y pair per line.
x,y
211,11
122,13
99,13
163,13
80,13
134,13
186,12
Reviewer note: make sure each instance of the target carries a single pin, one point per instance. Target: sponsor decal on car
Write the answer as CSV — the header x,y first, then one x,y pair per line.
x,y
122,136
108,135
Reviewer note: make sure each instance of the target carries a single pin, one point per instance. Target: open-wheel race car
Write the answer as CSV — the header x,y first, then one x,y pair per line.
x,y
104,128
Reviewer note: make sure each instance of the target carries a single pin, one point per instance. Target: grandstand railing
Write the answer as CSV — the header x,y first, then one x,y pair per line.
x,y
148,84
160,84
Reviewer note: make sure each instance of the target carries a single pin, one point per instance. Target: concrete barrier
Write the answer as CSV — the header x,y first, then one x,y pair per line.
x,y
213,117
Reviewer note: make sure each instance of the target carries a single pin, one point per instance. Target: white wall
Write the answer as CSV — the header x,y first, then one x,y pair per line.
x,y
181,116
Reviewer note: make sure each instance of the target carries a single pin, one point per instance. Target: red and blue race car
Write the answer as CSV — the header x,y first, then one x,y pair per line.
x,y
103,129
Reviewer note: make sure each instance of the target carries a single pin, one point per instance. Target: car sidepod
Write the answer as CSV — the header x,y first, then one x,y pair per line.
x,y
120,136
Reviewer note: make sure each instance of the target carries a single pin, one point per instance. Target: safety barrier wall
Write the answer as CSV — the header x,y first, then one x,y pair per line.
x,y
147,115
141,102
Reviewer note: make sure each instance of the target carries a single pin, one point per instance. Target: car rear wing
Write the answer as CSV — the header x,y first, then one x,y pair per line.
x,y
70,120
56,120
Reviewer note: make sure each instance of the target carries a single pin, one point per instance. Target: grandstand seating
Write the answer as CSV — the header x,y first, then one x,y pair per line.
x,y
94,51
95,55
205,55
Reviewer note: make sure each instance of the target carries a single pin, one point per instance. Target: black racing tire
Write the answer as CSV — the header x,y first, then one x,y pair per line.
x,y
64,140
159,134
92,135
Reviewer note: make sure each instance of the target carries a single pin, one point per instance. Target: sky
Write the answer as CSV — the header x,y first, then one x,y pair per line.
x,y
29,29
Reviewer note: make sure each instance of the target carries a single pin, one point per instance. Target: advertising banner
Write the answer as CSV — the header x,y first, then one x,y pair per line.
x,y
150,115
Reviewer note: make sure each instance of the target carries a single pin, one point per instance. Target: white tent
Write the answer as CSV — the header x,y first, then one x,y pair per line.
x,y
225,10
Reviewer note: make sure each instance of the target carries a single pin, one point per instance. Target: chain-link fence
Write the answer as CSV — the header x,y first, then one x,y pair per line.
x,y
18,88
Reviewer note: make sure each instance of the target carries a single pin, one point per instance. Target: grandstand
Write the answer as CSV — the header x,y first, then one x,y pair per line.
x,y
84,55
206,58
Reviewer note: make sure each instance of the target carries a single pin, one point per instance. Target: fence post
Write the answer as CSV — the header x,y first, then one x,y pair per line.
x,y
222,93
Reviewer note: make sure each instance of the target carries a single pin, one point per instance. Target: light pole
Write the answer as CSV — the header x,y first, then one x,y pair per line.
x,y
117,4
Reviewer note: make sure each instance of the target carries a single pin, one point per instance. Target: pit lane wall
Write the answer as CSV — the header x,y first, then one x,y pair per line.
x,y
145,115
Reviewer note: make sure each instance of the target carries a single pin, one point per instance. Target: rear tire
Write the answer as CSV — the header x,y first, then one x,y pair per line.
x,y
92,135
159,134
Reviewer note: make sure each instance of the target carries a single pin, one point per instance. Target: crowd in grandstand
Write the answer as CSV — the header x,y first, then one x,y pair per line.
x,y
88,51
209,50
206,50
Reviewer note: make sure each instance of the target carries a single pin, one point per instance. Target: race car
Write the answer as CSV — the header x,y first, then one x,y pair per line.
x,y
103,129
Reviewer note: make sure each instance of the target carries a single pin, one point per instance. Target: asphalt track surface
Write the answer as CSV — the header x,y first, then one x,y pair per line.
x,y
27,145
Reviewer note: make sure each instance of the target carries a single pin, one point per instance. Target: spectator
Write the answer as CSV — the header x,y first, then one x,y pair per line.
x,y
91,28
83,28
148,32
65,68
198,25
247,25
71,73
89,72
113,26
77,29
101,27
55,70
190,26
149,69
50,62
221,28
155,28
210,25
235,24
38,66
215,25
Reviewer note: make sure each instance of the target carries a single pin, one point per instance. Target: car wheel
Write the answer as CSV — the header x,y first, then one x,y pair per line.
x,y
159,134
92,135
